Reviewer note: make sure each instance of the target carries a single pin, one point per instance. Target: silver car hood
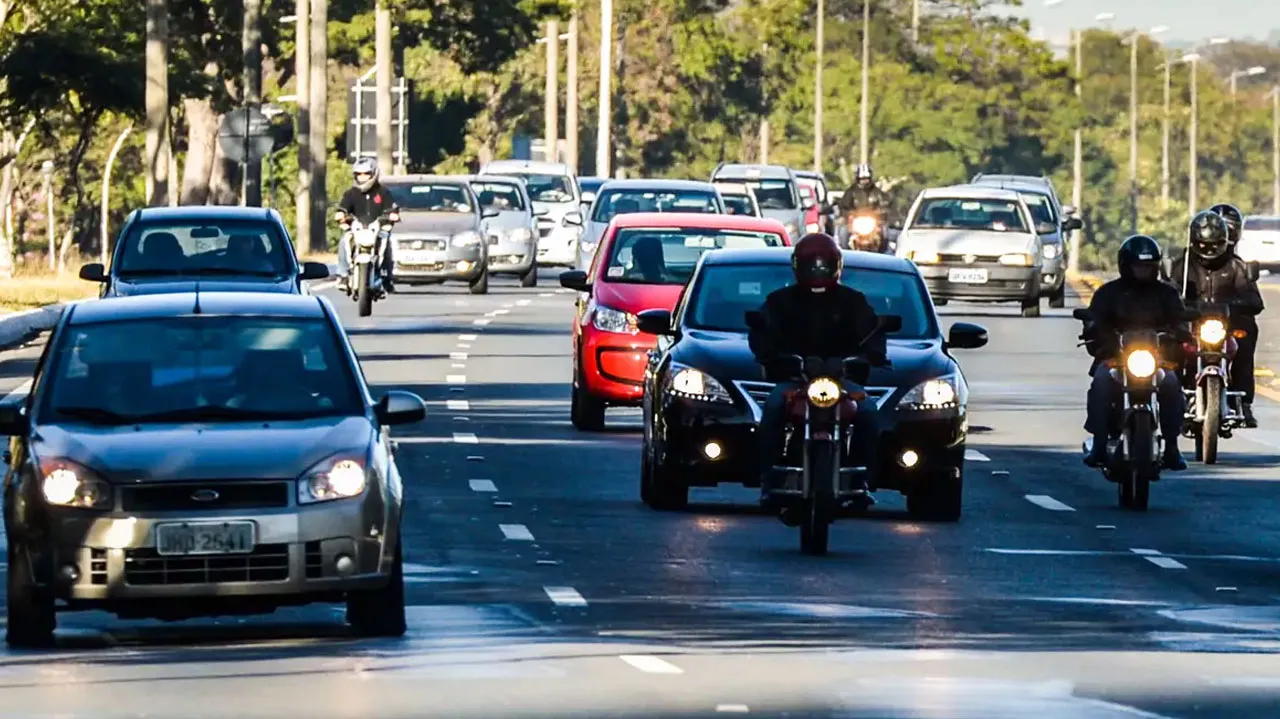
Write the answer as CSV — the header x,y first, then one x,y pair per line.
x,y
508,221
434,223
556,210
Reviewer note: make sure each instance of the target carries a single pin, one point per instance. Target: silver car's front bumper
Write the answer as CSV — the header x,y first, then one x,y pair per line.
x,y
450,263
332,546
512,257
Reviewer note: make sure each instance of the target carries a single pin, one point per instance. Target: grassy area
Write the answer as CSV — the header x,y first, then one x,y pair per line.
x,y
29,289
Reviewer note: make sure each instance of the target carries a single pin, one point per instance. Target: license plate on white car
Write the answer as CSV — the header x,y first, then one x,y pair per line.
x,y
967,276
414,257
194,538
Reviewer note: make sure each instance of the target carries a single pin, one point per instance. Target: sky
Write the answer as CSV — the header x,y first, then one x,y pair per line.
x,y
1189,21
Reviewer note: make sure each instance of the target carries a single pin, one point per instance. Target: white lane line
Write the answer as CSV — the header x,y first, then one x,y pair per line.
x,y
467,338
1158,559
465,438
544,294
524,303
1049,503
502,312
483,485
457,355
456,378
516,532
481,323
563,291
464,346
458,405
1145,552
565,596
507,304
457,365
651,664
973,455
733,709
21,391
460,303
494,313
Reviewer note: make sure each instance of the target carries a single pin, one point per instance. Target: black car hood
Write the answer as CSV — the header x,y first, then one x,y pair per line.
x,y
726,356
193,452
171,285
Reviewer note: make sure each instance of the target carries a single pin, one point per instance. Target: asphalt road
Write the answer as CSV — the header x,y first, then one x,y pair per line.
x,y
540,586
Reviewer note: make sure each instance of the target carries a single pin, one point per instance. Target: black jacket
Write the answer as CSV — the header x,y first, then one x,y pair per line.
x,y
1122,305
367,206
831,324
1225,281
859,198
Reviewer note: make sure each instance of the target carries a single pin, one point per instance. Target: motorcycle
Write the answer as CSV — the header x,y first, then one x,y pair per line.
x,y
865,232
1213,411
365,251
1135,445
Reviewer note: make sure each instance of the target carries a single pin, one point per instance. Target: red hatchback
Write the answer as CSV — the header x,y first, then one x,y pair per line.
x,y
643,262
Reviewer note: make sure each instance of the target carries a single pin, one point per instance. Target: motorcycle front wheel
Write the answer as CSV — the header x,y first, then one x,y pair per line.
x,y
1135,487
815,522
1212,420
365,296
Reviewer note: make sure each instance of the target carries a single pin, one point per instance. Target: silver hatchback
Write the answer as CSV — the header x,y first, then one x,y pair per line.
x,y
512,235
440,237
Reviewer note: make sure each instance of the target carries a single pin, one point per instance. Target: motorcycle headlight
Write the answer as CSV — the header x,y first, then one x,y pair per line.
x,y
1049,251
1213,332
823,392
67,484
521,234
690,383
937,393
1017,259
467,239
864,225
334,478
1141,363
924,257
366,238
607,319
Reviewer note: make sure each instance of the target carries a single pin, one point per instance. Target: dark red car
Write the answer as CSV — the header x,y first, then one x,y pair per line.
x,y
643,262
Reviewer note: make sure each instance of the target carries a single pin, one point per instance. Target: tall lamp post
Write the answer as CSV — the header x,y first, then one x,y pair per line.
x,y
1275,150
1193,131
1132,40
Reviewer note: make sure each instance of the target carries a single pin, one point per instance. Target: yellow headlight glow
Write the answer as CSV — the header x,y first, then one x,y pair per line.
x,y
60,486
824,393
1213,332
924,257
1141,363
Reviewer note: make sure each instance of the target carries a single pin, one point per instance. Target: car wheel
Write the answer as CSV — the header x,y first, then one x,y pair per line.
x,y
668,490
530,278
380,612
586,412
480,285
1031,308
938,498
31,616
1058,299
940,302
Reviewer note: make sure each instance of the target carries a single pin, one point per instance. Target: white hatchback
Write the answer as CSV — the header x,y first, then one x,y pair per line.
x,y
1260,241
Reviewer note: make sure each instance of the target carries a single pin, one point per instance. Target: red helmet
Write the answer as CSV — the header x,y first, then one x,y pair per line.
x,y
817,261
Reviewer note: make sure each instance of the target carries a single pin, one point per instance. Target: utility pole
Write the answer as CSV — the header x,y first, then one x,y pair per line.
x,y
1164,136
819,40
50,222
915,21
382,90
864,118
318,139
157,103
1193,136
764,120
571,98
302,95
1275,149
251,49
1077,160
1133,133
603,143
551,99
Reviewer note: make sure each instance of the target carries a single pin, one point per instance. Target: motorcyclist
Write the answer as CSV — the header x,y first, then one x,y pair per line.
x,y
366,200
1216,274
1138,300
862,195
816,317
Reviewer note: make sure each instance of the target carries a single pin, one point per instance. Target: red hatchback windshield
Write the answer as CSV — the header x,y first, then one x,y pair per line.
x,y
669,256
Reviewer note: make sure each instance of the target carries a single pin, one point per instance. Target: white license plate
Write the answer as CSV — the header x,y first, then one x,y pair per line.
x,y
189,538
363,257
415,257
967,276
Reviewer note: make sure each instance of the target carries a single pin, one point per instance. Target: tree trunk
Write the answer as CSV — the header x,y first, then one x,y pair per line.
x,y
65,248
202,143
224,182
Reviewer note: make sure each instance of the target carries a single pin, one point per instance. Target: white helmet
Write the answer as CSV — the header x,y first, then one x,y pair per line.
x,y
364,166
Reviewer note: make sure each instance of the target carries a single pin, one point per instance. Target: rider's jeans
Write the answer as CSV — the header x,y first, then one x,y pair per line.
x,y
770,433
1105,391
344,261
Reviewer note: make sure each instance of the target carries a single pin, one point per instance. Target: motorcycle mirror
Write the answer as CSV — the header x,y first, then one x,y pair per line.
x,y
1083,314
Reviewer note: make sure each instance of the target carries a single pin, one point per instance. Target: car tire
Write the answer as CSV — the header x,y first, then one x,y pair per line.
x,y
380,612
938,498
940,302
1058,299
1031,308
480,285
31,615
530,278
586,412
668,490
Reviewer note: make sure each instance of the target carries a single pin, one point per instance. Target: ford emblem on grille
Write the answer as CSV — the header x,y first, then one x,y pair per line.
x,y
968,259
205,495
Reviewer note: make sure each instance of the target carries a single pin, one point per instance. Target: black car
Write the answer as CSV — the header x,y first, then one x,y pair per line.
x,y
198,454
704,390
174,249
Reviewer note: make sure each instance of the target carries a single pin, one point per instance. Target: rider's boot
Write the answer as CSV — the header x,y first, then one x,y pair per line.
x,y
1173,460
1249,420
1097,456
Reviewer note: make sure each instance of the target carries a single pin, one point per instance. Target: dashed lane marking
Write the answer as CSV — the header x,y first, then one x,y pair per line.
x,y
457,365
457,355
1159,559
458,405
544,294
481,322
483,485
565,596
464,346
465,438
651,664
456,379
524,303
1049,503
563,291
467,338
973,455
516,532
732,709
501,312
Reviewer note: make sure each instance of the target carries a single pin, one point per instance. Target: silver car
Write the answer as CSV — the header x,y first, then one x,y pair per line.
x,y
776,191
1054,223
440,236
513,234
739,200
623,197
553,188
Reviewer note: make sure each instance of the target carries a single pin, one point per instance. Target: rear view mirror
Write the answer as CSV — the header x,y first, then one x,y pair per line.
x,y
1255,271
399,407
1083,314
575,280
1071,224
313,271
573,219
967,336
654,322
13,419
93,272
205,233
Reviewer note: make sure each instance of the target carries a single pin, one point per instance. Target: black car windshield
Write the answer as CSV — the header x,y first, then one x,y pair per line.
x,y
738,205
771,194
1041,209
432,197
498,196
198,369
626,202
947,213
205,247
547,188
724,294
669,256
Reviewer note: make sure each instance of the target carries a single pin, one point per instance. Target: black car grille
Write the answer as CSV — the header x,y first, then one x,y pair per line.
x,y
172,497
758,393
964,259
434,245
266,563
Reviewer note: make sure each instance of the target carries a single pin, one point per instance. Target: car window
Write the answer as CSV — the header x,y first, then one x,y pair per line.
x,y
738,205
938,213
1041,209
168,369
626,202
498,196
547,188
253,247
669,256
1262,224
432,197
772,194
723,294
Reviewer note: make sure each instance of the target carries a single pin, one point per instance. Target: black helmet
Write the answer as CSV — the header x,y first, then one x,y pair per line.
x,y
1209,235
1235,220
1140,258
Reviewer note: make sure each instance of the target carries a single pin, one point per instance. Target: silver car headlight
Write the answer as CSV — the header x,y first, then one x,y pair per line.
x,y
938,393
521,234
690,383
339,477
1049,251
66,484
470,238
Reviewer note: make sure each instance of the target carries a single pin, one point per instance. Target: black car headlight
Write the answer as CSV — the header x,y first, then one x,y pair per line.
x,y
338,477
690,383
944,392
64,483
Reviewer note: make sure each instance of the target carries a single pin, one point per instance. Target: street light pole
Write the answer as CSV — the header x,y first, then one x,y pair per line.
x,y
302,94
915,21
1077,159
1133,134
1164,136
385,138
864,145
1193,137
817,89
605,103
764,121
251,50
319,127
571,98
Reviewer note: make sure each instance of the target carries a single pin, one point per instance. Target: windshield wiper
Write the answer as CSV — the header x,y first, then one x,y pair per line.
x,y
221,412
97,415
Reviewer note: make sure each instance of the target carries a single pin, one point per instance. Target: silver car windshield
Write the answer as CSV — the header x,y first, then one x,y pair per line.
x,y
547,188
947,213
498,196
432,197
